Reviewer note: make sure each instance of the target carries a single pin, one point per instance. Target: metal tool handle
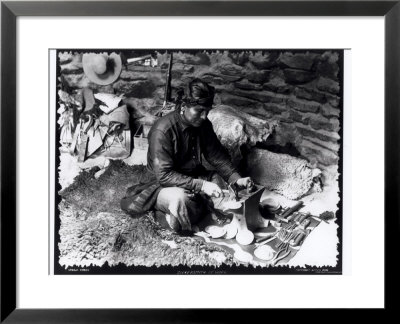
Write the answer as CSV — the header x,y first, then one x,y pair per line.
x,y
292,209
302,218
304,224
281,258
266,237
299,238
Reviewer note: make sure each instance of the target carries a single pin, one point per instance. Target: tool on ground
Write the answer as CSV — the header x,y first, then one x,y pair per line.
x,y
305,223
266,237
292,209
233,192
290,217
290,227
318,219
285,240
298,239
268,240
295,217
325,217
302,218
287,212
281,254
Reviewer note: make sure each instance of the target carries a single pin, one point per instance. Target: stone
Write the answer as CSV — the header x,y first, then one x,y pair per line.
x,y
65,57
213,79
76,81
230,78
139,108
159,94
182,68
296,116
229,69
199,59
308,94
127,75
106,89
246,85
328,70
138,89
262,96
322,135
73,65
298,60
289,176
285,117
156,77
319,122
235,128
286,135
334,147
318,153
255,109
258,76
329,85
327,65
277,84
333,100
239,58
259,111
178,83
330,57
192,59
264,60
328,111
176,74
294,76
232,100
147,69
275,108
304,105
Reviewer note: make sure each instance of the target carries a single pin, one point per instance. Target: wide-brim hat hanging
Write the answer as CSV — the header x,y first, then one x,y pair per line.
x,y
102,68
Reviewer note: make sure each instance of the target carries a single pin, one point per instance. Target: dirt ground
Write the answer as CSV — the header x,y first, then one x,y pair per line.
x,y
95,231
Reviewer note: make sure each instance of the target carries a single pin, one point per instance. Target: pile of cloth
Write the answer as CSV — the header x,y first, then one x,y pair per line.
x,y
102,127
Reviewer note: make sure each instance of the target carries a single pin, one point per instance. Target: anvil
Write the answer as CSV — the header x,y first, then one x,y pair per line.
x,y
246,218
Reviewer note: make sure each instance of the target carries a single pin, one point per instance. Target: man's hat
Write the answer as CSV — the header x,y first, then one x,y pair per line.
x,y
102,68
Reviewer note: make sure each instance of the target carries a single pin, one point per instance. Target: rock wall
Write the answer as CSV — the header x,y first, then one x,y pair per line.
x,y
298,89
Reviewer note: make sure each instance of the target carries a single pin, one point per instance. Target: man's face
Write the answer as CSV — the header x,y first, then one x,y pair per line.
x,y
196,115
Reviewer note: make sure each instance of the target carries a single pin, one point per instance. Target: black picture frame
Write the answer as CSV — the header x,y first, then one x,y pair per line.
x,y
10,10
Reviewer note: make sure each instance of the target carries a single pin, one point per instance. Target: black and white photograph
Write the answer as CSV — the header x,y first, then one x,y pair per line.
x,y
197,161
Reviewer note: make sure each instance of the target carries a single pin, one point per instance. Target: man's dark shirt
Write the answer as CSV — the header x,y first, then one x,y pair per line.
x,y
176,148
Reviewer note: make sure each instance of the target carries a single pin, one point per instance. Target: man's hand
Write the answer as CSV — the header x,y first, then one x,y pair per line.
x,y
245,182
211,189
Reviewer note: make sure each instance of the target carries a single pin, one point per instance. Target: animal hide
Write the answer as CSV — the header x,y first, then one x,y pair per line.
x,y
289,176
235,128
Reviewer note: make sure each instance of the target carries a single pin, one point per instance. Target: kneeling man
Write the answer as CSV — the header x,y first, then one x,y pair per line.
x,y
177,143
